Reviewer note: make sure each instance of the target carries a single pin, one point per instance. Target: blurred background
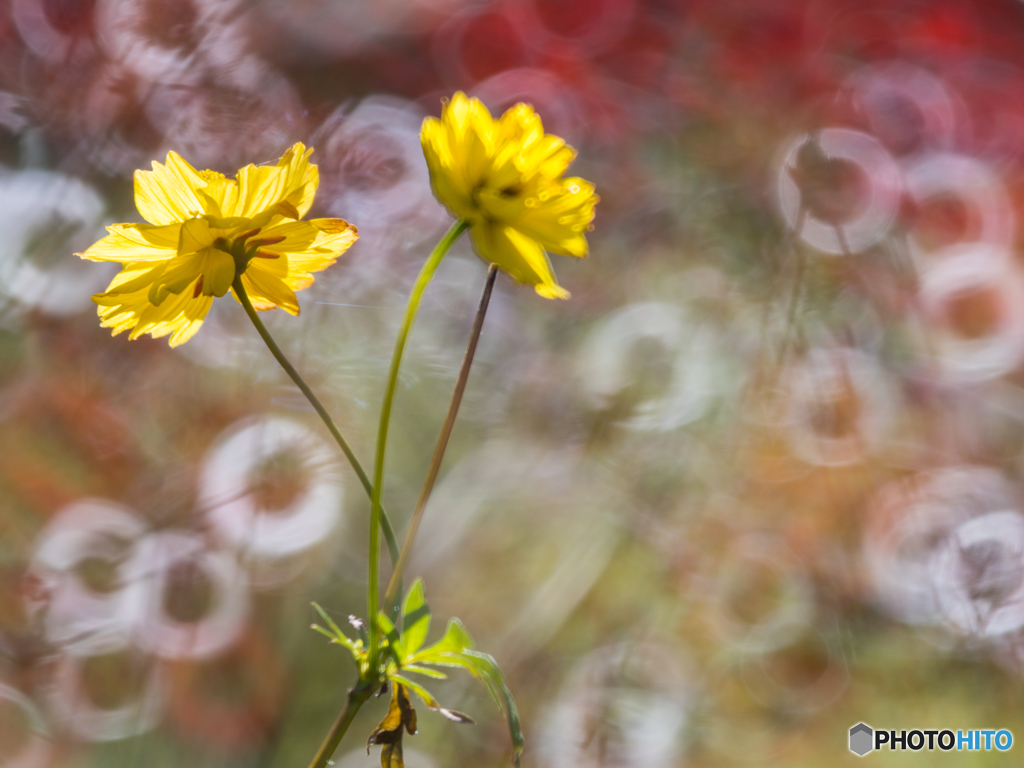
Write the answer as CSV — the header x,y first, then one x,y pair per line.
x,y
758,480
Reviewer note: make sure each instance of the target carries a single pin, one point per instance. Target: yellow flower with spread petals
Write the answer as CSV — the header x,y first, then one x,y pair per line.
x,y
203,230
504,177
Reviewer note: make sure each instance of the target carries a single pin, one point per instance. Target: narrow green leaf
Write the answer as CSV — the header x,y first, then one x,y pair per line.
x,y
334,633
416,688
334,639
330,622
394,644
326,633
486,669
428,699
434,673
416,618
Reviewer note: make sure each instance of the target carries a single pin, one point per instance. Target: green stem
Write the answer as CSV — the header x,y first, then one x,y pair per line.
x,y
395,585
385,521
356,698
424,278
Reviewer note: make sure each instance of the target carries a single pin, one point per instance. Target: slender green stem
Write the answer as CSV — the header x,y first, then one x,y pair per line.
x,y
385,521
356,698
424,278
442,442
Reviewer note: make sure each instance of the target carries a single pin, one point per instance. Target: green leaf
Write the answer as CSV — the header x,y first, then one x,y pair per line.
x,y
416,618
394,644
334,634
434,673
330,622
456,640
329,635
485,668
455,649
418,689
430,701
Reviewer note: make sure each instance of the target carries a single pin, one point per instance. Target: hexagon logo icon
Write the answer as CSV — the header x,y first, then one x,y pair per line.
x,y
862,739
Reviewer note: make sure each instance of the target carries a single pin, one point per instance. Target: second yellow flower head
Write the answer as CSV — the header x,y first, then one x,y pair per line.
x,y
204,230
504,177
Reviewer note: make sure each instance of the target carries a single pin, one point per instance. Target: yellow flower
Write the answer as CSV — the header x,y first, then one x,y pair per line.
x,y
504,177
203,230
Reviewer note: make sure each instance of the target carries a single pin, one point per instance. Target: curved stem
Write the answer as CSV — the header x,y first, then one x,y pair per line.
x,y
356,698
385,521
394,586
424,278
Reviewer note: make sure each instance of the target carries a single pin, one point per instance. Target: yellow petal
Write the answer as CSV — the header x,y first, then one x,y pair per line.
x,y
178,273
301,178
471,134
518,255
290,185
448,184
436,150
181,168
220,195
191,320
135,242
517,130
166,318
334,238
167,194
196,234
551,291
259,188
218,271
560,217
181,316
520,125
298,236
265,288
229,225
548,157
134,277
113,308
330,238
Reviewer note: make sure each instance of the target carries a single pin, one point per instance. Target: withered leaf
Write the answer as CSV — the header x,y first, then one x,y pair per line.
x,y
388,733
391,755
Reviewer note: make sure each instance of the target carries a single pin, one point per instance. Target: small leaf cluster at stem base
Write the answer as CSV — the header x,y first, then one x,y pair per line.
x,y
403,655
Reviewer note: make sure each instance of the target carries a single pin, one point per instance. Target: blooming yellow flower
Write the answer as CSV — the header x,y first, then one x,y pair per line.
x,y
203,230
504,177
